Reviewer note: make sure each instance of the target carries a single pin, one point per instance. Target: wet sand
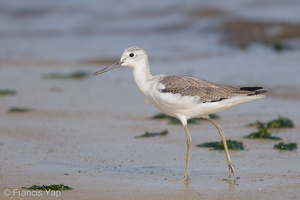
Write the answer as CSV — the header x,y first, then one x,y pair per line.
x,y
81,133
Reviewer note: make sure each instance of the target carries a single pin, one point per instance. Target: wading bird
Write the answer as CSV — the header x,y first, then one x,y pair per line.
x,y
185,97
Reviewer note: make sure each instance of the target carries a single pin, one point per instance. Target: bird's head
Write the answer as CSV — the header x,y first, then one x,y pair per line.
x,y
132,57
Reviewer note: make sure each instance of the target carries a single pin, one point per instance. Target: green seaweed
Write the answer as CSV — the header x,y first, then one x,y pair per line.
x,y
278,46
231,144
65,76
147,134
287,146
60,187
175,121
262,133
280,122
18,110
6,92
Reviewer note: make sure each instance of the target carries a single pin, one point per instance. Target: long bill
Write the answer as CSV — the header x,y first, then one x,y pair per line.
x,y
106,69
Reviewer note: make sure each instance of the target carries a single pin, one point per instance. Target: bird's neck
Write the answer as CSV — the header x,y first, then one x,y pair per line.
x,y
142,78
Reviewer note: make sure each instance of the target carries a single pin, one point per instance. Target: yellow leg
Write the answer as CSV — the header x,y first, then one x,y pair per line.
x,y
188,154
230,164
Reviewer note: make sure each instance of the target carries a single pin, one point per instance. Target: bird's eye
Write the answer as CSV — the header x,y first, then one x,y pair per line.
x,y
131,54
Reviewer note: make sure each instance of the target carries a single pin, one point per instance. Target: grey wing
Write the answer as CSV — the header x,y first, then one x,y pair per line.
x,y
206,91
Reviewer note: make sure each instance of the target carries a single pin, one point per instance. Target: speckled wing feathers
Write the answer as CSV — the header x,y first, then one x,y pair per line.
x,y
206,91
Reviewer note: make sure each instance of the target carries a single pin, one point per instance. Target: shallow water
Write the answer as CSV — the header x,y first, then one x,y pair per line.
x,y
168,30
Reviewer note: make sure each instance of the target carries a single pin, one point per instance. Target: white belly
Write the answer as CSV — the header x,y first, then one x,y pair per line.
x,y
186,107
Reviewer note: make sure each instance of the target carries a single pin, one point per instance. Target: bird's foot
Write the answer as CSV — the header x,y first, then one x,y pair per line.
x,y
185,178
232,176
